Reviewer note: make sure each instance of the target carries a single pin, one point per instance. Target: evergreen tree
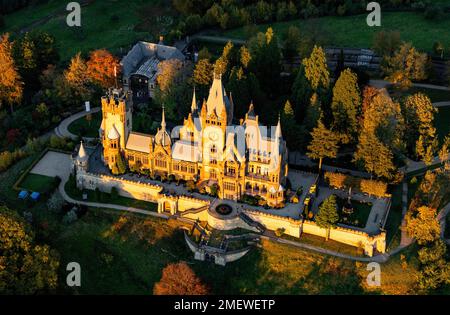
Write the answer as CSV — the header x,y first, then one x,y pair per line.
x,y
346,105
324,144
434,269
291,130
26,268
301,94
374,155
419,116
328,216
266,60
316,69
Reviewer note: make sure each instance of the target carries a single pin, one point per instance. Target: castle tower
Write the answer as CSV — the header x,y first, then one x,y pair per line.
x,y
116,124
117,107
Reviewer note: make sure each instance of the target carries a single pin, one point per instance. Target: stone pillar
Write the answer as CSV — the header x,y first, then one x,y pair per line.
x,y
368,249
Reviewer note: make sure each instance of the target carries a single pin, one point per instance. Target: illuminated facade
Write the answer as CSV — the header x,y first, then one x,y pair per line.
x,y
208,149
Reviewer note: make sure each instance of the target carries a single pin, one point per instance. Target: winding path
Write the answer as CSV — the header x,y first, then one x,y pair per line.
x,y
62,130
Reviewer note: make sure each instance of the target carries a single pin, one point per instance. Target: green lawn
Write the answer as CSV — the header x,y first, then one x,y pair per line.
x,y
353,31
435,95
442,122
85,128
39,183
110,24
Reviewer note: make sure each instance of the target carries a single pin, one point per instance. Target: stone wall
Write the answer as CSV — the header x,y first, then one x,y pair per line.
x,y
346,236
187,203
125,188
273,222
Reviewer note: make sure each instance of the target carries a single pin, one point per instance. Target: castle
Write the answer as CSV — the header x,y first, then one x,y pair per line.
x,y
241,159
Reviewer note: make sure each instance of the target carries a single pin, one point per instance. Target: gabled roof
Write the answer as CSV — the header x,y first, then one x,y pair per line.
x,y
143,51
139,142
186,151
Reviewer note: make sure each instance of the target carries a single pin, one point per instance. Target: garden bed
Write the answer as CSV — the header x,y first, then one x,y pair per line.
x,y
358,218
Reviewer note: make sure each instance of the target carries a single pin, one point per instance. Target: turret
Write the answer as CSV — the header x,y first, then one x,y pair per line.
x,y
82,159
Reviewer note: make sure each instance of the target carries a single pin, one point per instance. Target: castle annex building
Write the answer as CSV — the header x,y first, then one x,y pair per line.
x,y
240,159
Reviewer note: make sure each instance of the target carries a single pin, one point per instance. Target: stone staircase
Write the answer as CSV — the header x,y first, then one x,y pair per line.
x,y
252,222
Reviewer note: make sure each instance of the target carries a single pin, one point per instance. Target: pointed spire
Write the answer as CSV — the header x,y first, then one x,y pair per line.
x,y
194,103
81,151
82,156
163,120
278,134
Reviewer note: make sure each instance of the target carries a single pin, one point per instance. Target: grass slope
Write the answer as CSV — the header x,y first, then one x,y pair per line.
x,y
353,31
109,24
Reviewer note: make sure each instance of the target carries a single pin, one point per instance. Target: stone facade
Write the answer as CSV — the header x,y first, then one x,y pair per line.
x,y
239,159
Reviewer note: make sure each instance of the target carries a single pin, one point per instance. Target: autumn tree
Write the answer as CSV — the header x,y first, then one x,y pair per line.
x,y
346,105
77,79
168,72
386,43
25,267
203,73
369,92
102,68
179,279
328,216
406,65
11,86
422,224
324,144
221,65
419,117
245,56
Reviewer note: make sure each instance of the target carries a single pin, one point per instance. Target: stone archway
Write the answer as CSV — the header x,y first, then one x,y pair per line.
x,y
168,204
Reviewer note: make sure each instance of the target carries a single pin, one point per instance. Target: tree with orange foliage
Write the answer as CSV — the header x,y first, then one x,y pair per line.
x,y
179,279
102,67
11,86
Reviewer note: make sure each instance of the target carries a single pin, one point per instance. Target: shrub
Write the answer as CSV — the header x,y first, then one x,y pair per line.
x,y
190,185
179,279
373,187
70,217
279,232
8,158
55,202
336,180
